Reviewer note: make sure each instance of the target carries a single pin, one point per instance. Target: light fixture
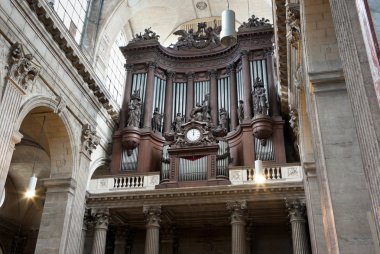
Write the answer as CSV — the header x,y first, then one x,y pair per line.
x,y
228,34
31,190
259,177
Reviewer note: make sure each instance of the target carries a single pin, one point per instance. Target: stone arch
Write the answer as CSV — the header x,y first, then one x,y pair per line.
x,y
96,164
50,103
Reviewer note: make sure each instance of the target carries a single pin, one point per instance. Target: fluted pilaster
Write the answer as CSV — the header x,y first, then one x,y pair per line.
x,y
238,211
247,86
127,95
168,102
213,94
233,96
296,209
149,95
100,231
22,73
189,94
153,219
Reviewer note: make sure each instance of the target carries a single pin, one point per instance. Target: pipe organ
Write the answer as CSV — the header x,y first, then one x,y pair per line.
x,y
193,109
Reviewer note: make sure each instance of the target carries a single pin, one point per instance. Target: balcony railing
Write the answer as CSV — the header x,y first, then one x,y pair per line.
x,y
238,175
124,183
272,174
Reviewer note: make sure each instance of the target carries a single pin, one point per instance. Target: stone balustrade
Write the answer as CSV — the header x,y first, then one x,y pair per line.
x,y
272,174
124,183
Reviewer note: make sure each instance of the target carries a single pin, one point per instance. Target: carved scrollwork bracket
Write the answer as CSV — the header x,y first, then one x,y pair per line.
x,y
23,71
89,139
293,21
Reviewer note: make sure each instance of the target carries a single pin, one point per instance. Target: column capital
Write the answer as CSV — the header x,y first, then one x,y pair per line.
x,y
296,209
212,73
152,65
129,67
170,74
190,75
101,218
244,54
231,69
152,215
238,210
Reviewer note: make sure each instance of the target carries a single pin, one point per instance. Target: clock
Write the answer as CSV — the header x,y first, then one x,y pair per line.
x,y
193,135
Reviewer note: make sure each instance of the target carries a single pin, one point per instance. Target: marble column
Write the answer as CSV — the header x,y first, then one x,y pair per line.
x,y
213,94
153,219
168,101
189,94
120,240
233,96
247,86
238,211
297,209
127,96
148,110
21,75
100,231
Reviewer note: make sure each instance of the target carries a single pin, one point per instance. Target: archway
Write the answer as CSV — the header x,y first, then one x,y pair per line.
x,y
44,151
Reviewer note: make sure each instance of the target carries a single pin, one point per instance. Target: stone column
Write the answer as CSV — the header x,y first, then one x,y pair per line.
x,y
153,219
168,101
120,240
357,50
213,95
247,86
56,216
100,231
126,97
148,109
21,75
233,96
189,94
300,239
89,143
238,211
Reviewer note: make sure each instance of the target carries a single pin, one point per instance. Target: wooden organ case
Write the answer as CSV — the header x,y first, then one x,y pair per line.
x,y
199,106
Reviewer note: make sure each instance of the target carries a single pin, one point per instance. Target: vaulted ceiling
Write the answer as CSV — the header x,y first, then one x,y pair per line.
x,y
164,17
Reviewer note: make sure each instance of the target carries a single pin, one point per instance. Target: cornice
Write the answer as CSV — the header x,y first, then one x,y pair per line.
x,y
72,53
200,195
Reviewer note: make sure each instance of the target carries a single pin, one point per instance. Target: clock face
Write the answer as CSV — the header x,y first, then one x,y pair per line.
x,y
193,134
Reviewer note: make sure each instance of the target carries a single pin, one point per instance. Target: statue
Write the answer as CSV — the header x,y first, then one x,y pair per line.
x,y
241,111
206,109
134,110
156,120
178,122
223,118
259,98
196,113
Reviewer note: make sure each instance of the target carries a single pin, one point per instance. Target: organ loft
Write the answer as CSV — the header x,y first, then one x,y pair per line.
x,y
197,120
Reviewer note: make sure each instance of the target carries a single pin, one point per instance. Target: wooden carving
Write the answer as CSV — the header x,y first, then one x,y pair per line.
x,y
202,38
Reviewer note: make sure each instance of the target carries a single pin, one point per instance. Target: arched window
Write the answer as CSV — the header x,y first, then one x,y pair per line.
x,y
73,15
115,71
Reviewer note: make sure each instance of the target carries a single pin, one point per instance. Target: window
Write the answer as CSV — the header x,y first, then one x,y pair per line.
x,y
115,72
72,14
